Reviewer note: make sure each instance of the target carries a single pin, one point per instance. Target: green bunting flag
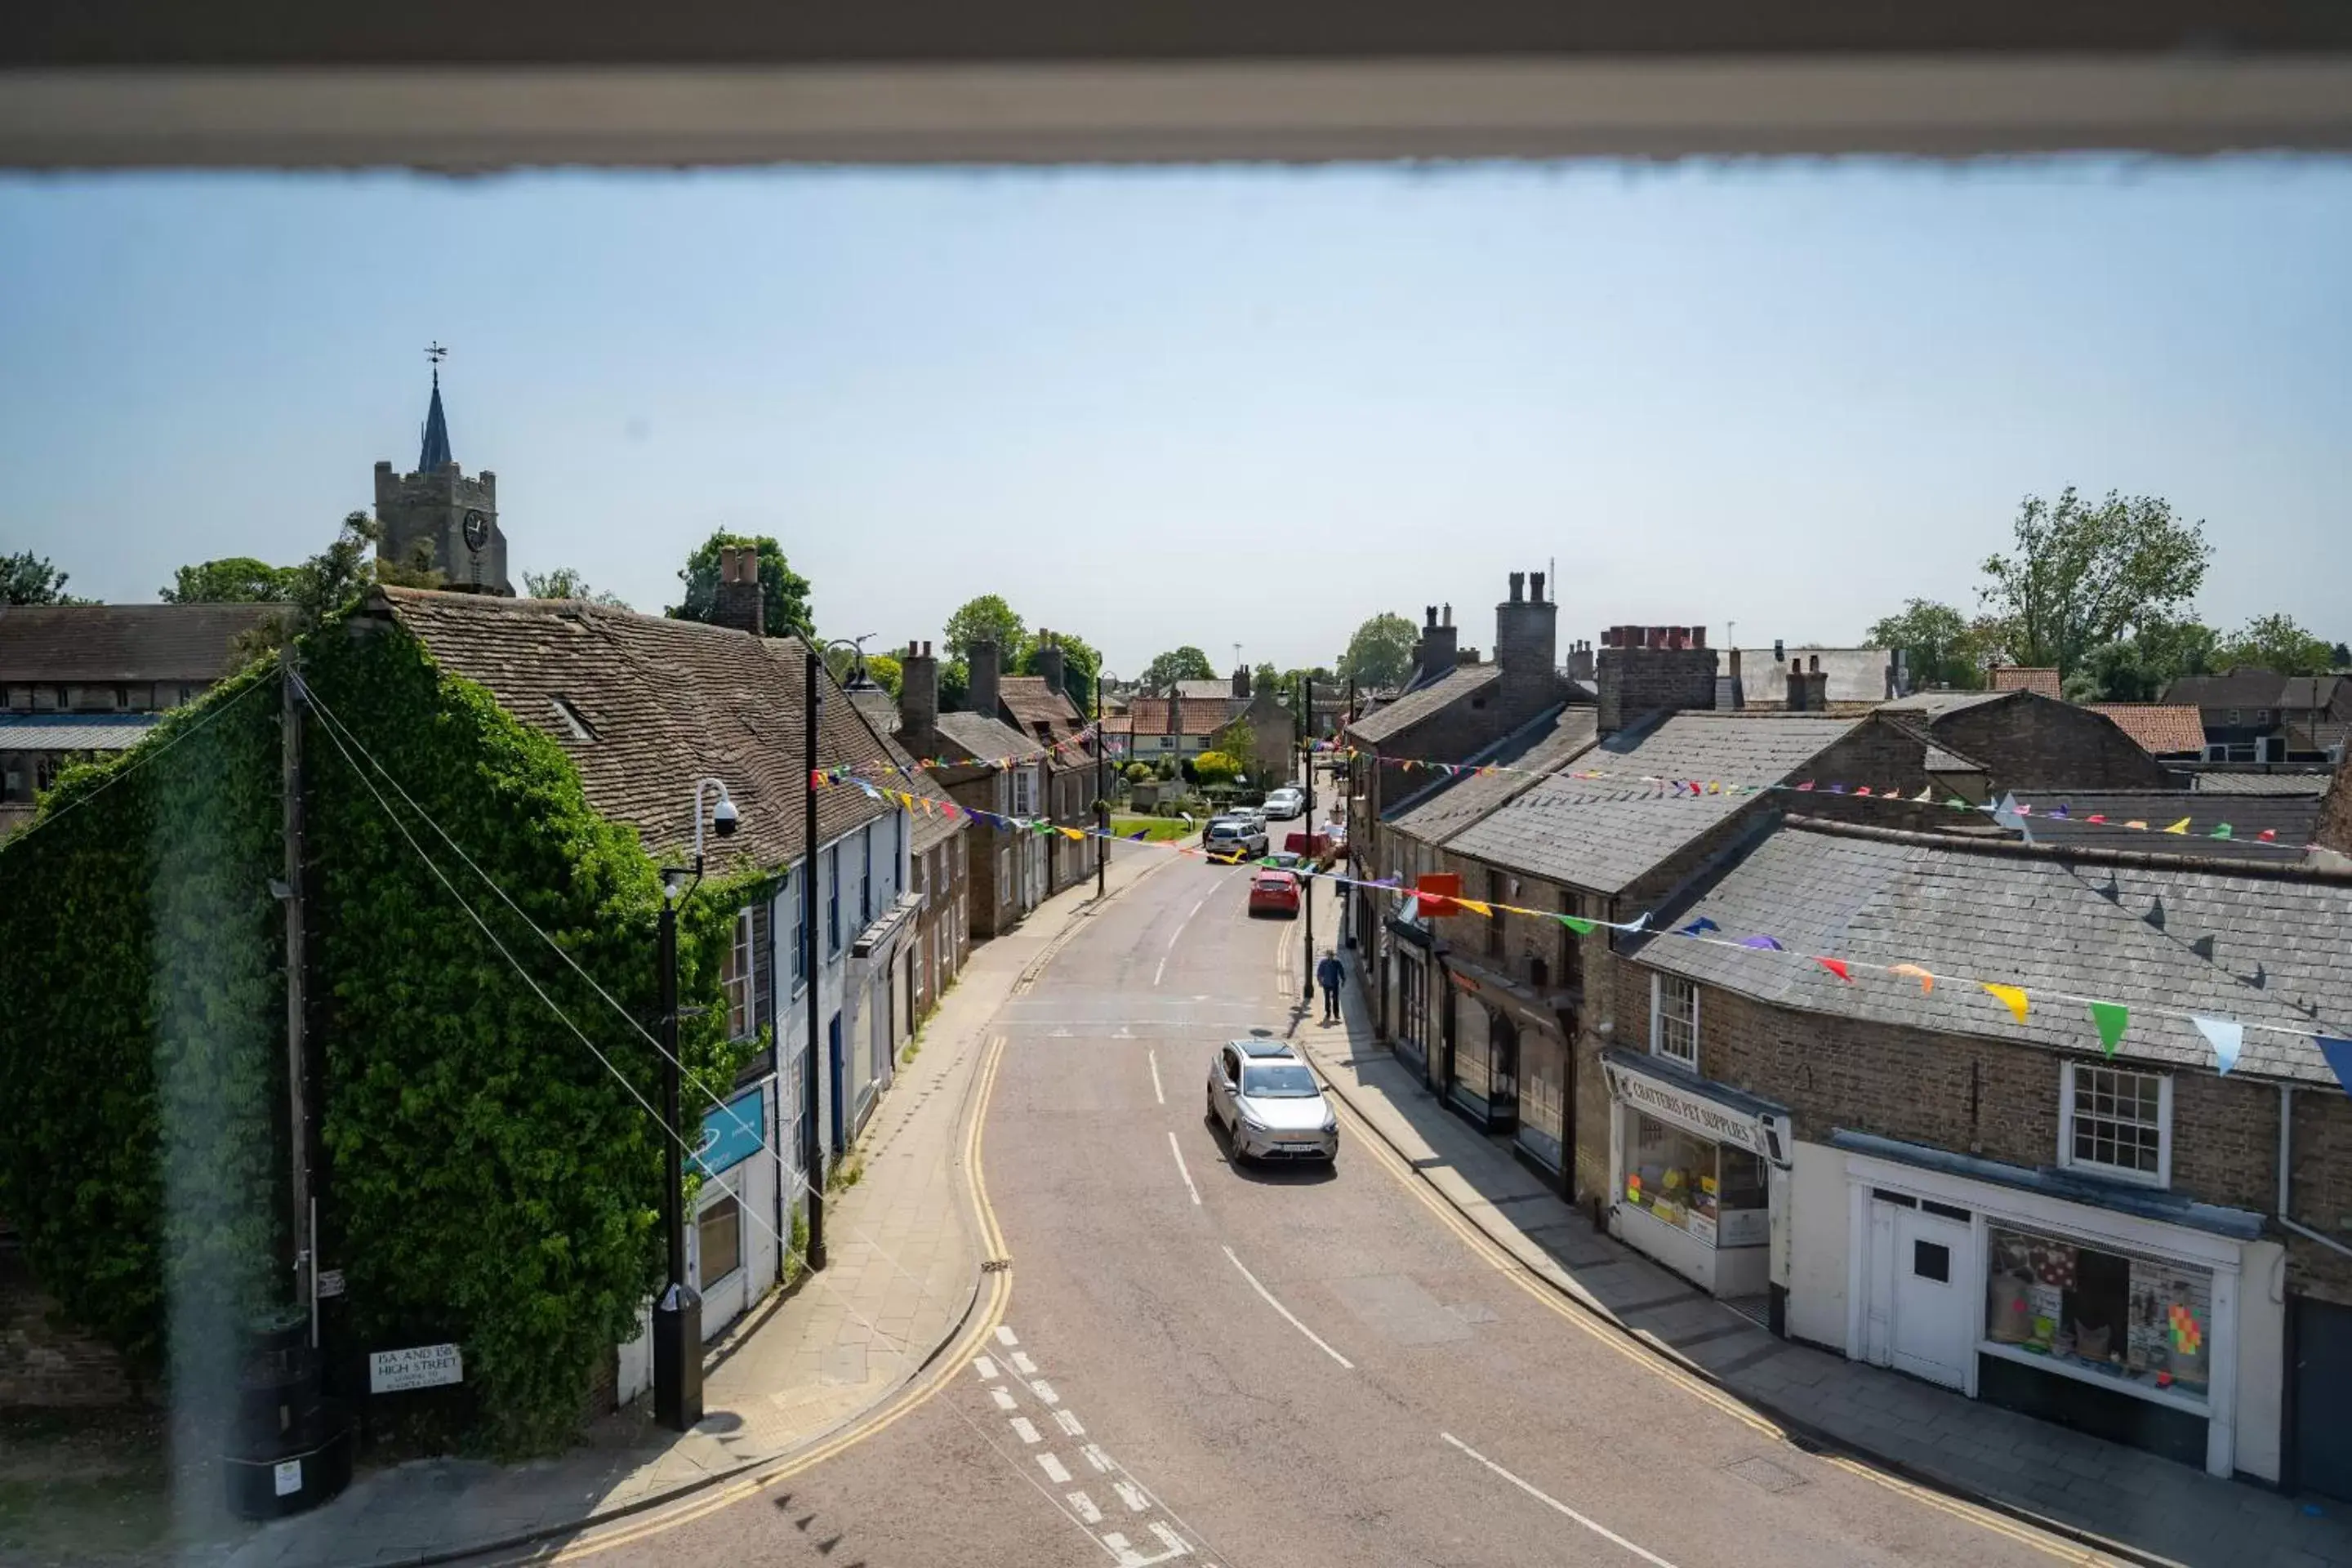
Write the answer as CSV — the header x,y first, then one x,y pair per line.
x,y
1581,927
2111,1018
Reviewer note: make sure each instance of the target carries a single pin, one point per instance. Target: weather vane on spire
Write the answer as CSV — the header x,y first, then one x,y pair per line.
x,y
436,353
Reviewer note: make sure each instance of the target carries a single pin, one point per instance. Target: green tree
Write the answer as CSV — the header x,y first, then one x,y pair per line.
x,y
1186,663
2340,655
1215,768
1935,642
1380,652
1265,678
1080,660
2080,574
885,671
29,579
2277,644
232,580
333,580
987,618
566,583
1238,740
783,593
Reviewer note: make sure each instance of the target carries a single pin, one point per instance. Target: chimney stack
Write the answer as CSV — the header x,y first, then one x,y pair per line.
x,y
1738,691
739,601
918,699
1526,650
1241,683
1438,640
1809,690
1049,661
1650,669
1579,661
980,688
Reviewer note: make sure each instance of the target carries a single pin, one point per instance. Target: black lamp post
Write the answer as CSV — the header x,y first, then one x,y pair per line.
x,y
812,1099
1102,792
1307,756
677,1315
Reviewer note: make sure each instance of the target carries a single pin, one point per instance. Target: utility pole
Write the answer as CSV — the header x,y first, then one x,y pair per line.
x,y
302,1218
1306,891
677,1315
1102,795
812,1146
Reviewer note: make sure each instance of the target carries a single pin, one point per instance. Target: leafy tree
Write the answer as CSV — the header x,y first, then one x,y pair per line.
x,y
2275,642
1080,660
1186,663
1939,646
233,580
885,671
783,593
1237,740
1137,772
2080,574
1380,652
1265,678
29,579
1214,768
2340,655
566,583
987,618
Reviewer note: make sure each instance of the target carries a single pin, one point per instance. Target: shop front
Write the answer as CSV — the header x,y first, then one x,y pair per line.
x,y
730,1247
1415,1012
1695,1168
2003,1283
1511,1062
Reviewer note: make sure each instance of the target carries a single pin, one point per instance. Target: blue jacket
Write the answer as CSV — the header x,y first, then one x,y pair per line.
x,y
1329,974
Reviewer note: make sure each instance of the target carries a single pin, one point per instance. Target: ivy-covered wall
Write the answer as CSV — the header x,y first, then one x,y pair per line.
x,y
487,1180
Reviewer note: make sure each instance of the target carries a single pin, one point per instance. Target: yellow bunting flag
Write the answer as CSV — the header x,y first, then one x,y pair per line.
x,y
2011,997
2180,827
1474,906
1927,981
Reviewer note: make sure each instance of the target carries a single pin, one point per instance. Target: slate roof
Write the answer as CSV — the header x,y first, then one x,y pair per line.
x,y
2313,785
1393,719
101,644
2310,690
74,732
984,739
2036,677
2290,817
2258,949
2159,728
1603,834
2233,688
1529,753
666,703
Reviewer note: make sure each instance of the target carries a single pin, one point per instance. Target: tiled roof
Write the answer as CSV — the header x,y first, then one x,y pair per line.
x,y
2290,817
2233,945
2219,783
74,732
2159,728
1032,702
1393,719
1603,834
1529,753
2039,678
665,703
1149,715
97,644
983,738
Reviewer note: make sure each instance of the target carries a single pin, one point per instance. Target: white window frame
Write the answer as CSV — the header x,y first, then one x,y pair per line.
x,y
741,985
2159,1177
1658,1019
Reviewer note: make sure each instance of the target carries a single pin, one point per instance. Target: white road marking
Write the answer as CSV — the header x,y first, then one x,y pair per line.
x,y
1167,1537
1173,936
1153,1058
1023,1364
1161,971
1084,1505
1132,1496
1068,1423
1054,1471
982,1365
1098,1458
1045,1392
1286,1312
1024,1429
1557,1505
1178,1149
1006,1336
1003,1398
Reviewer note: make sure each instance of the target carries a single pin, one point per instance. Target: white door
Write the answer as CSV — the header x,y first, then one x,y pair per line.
x,y
1933,1327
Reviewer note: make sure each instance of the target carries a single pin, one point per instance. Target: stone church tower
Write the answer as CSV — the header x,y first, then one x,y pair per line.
x,y
438,513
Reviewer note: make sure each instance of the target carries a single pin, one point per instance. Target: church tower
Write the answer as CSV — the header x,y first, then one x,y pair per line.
x,y
439,515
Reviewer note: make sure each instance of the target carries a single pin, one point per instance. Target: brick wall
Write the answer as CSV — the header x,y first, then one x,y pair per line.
x,y
1638,680
46,1364
2032,743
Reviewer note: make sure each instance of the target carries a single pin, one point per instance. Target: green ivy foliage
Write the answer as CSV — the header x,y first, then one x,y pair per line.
x,y
142,1032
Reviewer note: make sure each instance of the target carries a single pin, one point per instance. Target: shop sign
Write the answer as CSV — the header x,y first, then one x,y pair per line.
x,y
419,1366
731,1135
1701,1116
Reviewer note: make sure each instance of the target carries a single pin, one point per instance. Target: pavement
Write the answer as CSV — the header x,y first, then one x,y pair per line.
x,y
903,1271
2121,1501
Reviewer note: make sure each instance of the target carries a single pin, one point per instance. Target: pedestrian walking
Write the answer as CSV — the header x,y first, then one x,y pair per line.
x,y
1328,974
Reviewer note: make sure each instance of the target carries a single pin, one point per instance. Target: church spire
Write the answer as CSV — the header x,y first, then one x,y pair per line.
x,y
436,451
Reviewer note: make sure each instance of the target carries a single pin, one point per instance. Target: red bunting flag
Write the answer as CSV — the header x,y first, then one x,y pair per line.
x,y
1835,966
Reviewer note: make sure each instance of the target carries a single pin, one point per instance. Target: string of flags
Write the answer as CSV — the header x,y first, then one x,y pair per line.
x,y
1077,741
2109,1019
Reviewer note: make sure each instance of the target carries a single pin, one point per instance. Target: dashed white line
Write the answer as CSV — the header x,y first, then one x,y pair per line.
x,y
982,1365
1054,1470
1084,1507
1167,1537
1024,1429
1068,1423
1153,1058
1286,1312
1132,1496
1006,1336
1557,1505
1178,1149
1003,1398
1173,936
1045,1392
1023,1364
1095,1455
1161,971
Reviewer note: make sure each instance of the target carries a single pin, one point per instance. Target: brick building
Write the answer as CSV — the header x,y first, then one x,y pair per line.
x,y
1040,707
984,764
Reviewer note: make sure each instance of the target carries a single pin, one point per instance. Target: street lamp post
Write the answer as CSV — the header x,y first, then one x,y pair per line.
x,y
1102,792
677,1315
812,1099
1306,757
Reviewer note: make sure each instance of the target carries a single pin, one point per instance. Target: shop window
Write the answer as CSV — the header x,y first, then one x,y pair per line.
x,y
720,1235
735,976
2116,1123
1673,1019
2141,1321
1718,1192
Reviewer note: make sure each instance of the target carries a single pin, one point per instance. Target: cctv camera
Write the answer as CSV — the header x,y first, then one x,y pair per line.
x,y
723,816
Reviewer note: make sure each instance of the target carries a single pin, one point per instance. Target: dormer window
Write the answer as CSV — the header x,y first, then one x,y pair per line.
x,y
569,717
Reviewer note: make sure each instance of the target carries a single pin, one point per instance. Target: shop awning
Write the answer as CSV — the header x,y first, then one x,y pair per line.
x,y
1662,1088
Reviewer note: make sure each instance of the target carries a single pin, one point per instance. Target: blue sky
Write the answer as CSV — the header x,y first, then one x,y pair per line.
x,y
1207,406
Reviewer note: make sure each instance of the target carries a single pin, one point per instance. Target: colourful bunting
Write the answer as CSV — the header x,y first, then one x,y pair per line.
x,y
1698,927
1581,927
2011,997
2225,1035
1474,906
2339,1059
1836,966
2222,831
1763,943
1927,981
2110,1018
2180,827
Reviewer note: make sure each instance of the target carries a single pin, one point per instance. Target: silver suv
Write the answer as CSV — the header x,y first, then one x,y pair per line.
x,y
1236,836
1269,1101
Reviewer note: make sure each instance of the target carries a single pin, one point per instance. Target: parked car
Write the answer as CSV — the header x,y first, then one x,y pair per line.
x,y
1269,1101
1234,838
1285,803
1273,893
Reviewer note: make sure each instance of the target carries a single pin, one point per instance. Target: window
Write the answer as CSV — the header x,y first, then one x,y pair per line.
x,y
2143,1321
735,978
1717,1191
1673,1019
1024,793
2116,1123
865,879
833,900
798,898
720,1237
2263,716
2233,715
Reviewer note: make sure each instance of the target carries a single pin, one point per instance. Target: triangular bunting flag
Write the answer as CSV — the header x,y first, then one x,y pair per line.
x,y
2180,827
2110,1018
2225,1035
2011,996
2097,816
1927,981
1835,966
1698,927
1862,790
2269,835
1806,785
1763,943
1474,906
1581,927
1926,797
2060,810
2221,831
2339,1059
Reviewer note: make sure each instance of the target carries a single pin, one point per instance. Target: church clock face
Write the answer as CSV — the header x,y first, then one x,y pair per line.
x,y
478,531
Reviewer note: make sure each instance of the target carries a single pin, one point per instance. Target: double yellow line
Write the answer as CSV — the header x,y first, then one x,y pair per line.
x,y
997,1286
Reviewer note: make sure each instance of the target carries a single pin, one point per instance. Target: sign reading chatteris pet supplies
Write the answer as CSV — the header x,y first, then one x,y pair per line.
x,y
419,1366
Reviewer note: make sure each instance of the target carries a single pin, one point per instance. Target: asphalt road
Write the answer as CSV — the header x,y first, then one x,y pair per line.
x,y
1206,1365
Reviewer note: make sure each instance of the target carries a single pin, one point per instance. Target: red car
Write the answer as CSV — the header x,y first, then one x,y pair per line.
x,y
1273,893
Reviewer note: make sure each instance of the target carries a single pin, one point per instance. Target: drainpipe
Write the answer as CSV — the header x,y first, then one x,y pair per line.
x,y
2286,1135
